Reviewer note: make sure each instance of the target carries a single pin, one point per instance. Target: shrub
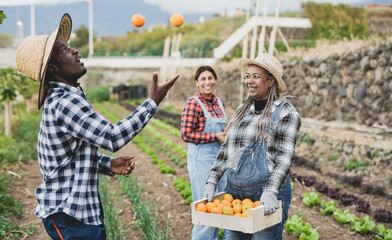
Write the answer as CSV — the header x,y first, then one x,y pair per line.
x,y
336,21
98,94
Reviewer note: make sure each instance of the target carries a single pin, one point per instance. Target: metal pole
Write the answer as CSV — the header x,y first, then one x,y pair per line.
x,y
262,33
246,39
273,33
244,53
32,19
254,36
90,28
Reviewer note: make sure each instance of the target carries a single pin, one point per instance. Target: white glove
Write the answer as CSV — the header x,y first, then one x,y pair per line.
x,y
209,190
270,201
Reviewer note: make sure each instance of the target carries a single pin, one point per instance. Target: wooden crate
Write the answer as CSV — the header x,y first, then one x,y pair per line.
x,y
256,221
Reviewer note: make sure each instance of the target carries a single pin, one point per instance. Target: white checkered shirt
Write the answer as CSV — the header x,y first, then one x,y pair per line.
x,y
280,146
68,140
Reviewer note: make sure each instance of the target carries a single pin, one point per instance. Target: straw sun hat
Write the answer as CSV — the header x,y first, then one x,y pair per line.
x,y
269,63
34,53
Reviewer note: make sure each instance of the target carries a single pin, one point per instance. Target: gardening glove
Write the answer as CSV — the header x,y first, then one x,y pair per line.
x,y
209,190
270,201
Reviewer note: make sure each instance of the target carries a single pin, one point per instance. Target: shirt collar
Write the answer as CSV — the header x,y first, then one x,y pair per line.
x,y
201,97
59,86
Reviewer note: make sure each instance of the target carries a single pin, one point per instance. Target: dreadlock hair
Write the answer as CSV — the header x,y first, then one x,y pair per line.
x,y
264,122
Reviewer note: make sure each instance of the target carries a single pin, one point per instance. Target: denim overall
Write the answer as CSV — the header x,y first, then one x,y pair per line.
x,y
201,157
246,178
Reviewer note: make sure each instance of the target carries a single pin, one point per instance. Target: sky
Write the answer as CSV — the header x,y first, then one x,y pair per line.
x,y
194,6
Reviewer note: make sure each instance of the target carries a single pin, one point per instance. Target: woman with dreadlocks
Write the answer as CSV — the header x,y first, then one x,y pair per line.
x,y
260,145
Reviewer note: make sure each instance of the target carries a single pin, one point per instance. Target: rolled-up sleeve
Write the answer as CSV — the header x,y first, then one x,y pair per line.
x,y
190,118
77,118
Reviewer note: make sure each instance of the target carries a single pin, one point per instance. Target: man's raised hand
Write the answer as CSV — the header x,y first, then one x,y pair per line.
x,y
158,92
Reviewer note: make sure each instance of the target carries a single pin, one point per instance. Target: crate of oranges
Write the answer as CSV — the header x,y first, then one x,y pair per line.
x,y
242,215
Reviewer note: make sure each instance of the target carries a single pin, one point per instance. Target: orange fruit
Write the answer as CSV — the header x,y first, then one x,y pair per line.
x,y
236,201
245,213
210,206
238,214
237,208
201,207
216,210
176,19
256,203
246,207
226,202
227,210
228,197
247,201
216,202
138,20
221,206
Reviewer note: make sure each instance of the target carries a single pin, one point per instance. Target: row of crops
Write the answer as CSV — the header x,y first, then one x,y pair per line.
x,y
295,224
160,141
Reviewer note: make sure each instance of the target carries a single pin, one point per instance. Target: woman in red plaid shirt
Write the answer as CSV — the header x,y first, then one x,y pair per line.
x,y
202,126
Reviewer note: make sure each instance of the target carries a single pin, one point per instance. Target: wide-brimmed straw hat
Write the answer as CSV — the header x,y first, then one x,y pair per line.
x,y
269,63
34,53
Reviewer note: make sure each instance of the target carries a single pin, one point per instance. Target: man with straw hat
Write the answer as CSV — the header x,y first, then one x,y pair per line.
x,y
71,133
260,145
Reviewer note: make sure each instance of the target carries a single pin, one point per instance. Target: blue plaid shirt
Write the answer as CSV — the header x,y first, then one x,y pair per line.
x,y
68,140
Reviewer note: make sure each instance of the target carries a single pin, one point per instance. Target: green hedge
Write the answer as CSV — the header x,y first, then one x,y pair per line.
x,y
336,21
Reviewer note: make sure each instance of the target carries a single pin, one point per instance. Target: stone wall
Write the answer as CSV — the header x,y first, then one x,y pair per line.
x,y
381,26
355,86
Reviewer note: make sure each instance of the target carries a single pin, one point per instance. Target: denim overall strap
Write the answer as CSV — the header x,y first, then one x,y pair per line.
x,y
201,157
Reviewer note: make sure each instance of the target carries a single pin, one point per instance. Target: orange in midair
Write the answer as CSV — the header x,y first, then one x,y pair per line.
x,y
138,20
176,19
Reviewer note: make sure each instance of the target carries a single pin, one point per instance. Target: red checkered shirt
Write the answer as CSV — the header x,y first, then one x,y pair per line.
x,y
193,119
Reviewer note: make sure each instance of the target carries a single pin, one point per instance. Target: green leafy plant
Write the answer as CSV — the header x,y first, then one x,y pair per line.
x,y
311,199
355,164
327,208
387,233
364,226
332,157
306,139
113,228
184,187
146,214
296,226
345,217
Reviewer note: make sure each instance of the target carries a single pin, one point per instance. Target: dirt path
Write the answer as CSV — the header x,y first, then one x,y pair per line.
x,y
23,188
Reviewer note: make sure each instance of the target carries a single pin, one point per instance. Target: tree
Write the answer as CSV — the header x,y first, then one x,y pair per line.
x,y
12,83
81,40
2,16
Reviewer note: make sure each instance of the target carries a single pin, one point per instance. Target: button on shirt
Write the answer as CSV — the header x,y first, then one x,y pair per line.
x,y
68,140
193,119
280,144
